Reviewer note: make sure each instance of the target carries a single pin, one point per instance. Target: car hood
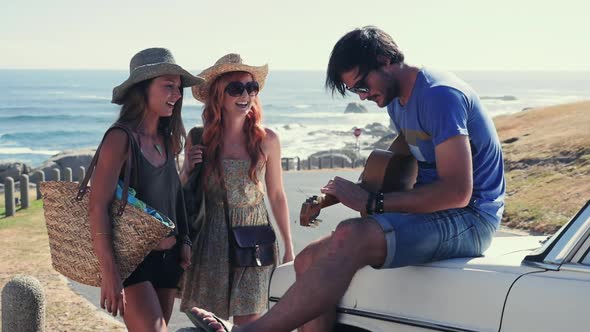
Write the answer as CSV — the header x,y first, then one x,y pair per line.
x,y
466,293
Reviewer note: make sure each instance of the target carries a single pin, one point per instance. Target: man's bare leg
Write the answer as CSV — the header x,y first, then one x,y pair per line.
x,y
355,243
241,320
303,261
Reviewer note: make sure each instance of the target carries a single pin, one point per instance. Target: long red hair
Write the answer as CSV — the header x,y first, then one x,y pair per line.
x,y
213,129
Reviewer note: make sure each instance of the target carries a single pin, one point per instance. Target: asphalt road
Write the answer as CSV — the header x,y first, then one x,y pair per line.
x,y
298,186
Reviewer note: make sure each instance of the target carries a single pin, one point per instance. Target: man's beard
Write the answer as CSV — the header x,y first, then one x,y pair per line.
x,y
393,91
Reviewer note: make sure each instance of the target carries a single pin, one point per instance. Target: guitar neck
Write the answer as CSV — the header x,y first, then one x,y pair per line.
x,y
327,200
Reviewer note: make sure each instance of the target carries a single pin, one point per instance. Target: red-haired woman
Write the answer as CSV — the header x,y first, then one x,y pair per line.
x,y
240,156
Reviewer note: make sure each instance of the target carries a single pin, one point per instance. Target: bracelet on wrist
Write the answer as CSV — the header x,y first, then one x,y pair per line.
x,y
186,240
379,198
370,201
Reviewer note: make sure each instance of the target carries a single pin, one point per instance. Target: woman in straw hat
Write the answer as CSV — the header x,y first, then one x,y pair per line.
x,y
151,100
240,155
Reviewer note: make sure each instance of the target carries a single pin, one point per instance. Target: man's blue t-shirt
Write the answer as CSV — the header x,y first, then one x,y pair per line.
x,y
442,106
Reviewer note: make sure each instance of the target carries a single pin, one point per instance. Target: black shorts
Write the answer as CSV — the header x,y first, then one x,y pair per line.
x,y
160,267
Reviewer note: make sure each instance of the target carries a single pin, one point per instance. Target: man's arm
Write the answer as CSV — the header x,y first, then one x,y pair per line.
x,y
453,188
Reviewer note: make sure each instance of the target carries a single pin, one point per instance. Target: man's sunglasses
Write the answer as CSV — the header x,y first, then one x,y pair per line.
x,y
236,89
360,86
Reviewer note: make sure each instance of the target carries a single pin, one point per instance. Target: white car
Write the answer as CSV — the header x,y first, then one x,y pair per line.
x,y
526,283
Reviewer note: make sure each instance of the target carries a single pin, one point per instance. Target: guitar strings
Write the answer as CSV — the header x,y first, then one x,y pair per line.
x,y
301,191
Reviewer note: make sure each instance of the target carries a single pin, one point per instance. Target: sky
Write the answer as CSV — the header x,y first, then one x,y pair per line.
x,y
295,34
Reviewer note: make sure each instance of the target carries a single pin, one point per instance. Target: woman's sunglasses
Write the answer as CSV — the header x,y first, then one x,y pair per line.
x,y
235,89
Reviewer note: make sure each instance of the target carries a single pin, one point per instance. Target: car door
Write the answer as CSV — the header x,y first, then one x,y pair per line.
x,y
554,299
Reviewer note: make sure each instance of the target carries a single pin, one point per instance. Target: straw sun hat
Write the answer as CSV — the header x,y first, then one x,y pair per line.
x,y
150,63
227,63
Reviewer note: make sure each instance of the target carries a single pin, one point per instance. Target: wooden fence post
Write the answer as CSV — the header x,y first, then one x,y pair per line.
x,y
68,174
39,177
24,191
9,204
55,174
81,173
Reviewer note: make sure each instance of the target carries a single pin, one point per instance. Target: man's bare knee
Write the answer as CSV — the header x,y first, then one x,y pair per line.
x,y
303,260
346,232
309,254
361,240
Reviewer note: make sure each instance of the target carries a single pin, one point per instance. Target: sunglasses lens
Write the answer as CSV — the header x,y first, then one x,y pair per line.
x,y
360,86
358,90
235,89
252,88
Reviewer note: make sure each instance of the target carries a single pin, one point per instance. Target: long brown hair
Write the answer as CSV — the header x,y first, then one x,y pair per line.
x,y
133,112
213,129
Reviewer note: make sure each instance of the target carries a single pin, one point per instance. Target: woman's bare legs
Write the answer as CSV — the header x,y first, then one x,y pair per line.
x,y
143,311
166,297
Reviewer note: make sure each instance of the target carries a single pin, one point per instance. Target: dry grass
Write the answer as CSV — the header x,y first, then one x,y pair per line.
x,y
547,159
25,250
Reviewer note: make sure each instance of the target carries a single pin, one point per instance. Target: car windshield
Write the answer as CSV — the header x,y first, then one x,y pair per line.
x,y
556,247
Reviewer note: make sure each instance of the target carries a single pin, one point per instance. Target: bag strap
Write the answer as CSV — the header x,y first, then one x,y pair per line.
x,y
83,188
226,209
196,135
230,239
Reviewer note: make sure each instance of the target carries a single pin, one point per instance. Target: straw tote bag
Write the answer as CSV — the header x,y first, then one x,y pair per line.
x,y
135,232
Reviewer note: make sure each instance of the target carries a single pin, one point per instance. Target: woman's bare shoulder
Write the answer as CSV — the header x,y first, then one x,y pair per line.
x,y
115,144
271,135
271,144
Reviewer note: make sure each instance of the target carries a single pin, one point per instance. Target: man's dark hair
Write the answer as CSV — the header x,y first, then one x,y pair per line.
x,y
365,47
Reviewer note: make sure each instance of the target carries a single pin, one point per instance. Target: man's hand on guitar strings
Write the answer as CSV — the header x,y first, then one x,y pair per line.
x,y
347,192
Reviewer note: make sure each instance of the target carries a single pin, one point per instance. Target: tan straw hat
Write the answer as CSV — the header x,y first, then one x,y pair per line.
x,y
150,63
227,63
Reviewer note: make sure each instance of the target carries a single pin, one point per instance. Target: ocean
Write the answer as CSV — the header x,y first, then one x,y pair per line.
x,y
44,112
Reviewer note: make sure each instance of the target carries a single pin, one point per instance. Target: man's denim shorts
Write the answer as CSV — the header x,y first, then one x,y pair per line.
x,y
420,238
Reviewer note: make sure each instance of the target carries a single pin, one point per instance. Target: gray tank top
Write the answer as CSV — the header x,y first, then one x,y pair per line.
x,y
159,187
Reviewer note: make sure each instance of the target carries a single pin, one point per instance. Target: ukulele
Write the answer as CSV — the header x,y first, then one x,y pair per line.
x,y
384,171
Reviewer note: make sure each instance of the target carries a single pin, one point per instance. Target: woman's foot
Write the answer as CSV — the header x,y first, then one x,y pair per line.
x,y
208,321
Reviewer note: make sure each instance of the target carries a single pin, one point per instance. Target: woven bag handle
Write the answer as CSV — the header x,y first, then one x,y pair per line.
x,y
84,184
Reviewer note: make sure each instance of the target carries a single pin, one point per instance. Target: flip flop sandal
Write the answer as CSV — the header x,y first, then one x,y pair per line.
x,y
199,322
